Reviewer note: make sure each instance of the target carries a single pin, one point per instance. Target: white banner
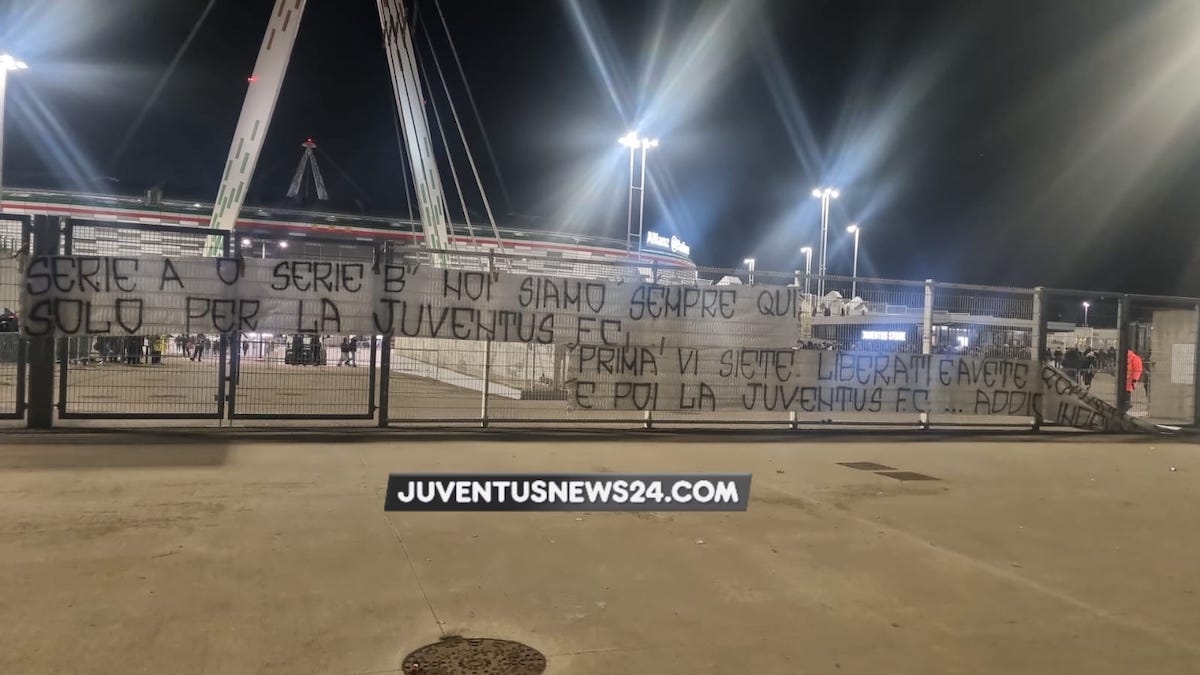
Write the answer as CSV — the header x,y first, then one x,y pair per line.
x,y
92,295
803,381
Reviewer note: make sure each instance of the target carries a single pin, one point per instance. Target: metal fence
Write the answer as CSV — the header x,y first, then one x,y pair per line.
x,y
140,376
14,238
394,380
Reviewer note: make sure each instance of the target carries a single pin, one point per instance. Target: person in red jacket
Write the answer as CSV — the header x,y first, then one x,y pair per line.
x,y
1133,370
1133,373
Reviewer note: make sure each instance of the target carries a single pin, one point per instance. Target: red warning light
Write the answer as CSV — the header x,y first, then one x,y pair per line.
x,y
252,79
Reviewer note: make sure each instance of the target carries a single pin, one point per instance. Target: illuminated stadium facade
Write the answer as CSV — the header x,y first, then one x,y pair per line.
x,y
311,234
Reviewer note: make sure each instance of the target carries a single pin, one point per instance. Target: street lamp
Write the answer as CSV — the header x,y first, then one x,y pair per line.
x,y
7,63
854,230
632,141
749,263
807,251
824,194
1086,304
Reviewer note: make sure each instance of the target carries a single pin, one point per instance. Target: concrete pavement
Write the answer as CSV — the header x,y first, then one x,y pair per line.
x,y
150,552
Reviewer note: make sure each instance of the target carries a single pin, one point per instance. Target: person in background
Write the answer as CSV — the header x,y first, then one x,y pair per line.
x,y
1087,367
345,358
1058,357
1070,364
158,346
353,351
199,349
1133,373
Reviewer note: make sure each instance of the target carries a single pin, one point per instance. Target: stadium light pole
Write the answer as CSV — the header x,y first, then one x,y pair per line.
x,y
8,63
825,195
807,251
632,141
854,230
1086,305
749,263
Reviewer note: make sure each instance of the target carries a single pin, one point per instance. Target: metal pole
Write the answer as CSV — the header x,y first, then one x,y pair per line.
x,y
3,84
629,220
927,320
487,358
927,338
1123,397
807,269
824,242
40,413
1038,343
642,196
854,277
1195,374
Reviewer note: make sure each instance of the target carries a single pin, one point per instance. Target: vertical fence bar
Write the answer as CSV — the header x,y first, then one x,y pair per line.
x,y
385,355
927,336
371,374
1195,374
1038,342
226,379
42,349
647,415
60,347
1122,397
487,356
385,380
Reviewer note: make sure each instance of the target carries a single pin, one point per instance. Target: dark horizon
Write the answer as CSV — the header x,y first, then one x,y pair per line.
x,y
1017,143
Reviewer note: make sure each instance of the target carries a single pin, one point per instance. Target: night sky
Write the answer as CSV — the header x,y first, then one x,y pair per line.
x,y
1006,142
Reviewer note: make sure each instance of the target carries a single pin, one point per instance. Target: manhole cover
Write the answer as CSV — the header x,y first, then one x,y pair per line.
x,y
905,475
867,466
475,656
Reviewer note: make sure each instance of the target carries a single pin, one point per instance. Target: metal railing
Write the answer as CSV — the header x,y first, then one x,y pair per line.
x,y
397,380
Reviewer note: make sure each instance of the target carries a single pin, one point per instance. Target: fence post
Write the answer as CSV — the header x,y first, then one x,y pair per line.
x,y
1038,343
927,336
385,377
647,415
385,355
42,349
1195,375
1122,398
487,357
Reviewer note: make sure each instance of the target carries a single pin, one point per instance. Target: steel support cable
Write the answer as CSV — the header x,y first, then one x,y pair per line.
x,y
466,146
487,143
462,198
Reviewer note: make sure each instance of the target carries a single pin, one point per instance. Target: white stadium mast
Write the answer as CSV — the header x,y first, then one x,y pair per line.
x,y
261,96
402,61
263,93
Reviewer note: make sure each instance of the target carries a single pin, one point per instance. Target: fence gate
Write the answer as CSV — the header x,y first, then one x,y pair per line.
x,y
1163,333
143,376
14,237
303,375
